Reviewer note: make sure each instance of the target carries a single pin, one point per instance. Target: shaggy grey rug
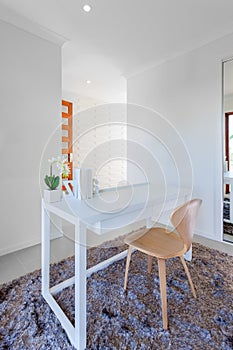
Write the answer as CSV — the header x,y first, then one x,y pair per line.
x,y
132,320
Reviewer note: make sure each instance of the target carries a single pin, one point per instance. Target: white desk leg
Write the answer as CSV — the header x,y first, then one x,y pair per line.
x,y
45,250
149,222
80,285
188,255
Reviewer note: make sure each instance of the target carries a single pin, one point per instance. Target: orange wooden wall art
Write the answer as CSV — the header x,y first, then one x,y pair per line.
x,y
67,136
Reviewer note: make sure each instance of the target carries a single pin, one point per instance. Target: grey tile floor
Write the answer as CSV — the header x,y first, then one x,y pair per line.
x,y
228,238
19,263
27,260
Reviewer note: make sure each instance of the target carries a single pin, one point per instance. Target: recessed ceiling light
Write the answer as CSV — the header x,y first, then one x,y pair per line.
x,y
87,8
88,81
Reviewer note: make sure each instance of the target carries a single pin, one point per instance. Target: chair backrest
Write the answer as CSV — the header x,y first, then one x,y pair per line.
x,y
184,220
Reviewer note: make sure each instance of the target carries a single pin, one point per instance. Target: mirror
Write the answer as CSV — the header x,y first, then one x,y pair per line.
x,y
228,151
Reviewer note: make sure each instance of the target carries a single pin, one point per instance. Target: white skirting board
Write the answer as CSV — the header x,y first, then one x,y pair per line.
x,y
56,232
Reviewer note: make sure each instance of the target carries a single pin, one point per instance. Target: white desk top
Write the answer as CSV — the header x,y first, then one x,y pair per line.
x,y
110,207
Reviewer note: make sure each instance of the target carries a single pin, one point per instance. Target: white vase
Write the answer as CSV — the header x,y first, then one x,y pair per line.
x,y
52,196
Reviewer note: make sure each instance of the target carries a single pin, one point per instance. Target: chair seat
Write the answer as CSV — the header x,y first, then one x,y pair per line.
x,y
158,242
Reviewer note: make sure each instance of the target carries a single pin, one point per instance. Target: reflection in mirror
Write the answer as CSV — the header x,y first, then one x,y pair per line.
x,y
228,150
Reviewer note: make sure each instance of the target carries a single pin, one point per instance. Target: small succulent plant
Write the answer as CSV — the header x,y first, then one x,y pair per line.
x,y
51,180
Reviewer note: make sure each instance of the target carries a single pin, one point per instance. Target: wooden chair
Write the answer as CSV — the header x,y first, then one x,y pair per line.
x,y
163,244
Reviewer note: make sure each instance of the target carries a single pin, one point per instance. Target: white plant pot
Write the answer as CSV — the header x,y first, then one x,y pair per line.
x,y
52,196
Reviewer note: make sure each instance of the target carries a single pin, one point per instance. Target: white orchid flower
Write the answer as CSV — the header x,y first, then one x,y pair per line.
x,y
52,160
63,167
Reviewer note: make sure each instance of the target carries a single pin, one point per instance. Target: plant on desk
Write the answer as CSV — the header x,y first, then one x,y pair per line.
x,y
52,181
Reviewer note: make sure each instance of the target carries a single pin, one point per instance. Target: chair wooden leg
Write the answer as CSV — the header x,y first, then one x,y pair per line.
x,y
149,263
189,277
127,267
163,286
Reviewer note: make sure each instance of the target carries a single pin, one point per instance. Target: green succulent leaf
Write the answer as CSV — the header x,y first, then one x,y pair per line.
x,y
52,181
56,181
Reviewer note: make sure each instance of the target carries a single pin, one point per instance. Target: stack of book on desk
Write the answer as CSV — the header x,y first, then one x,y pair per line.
x,y
83,183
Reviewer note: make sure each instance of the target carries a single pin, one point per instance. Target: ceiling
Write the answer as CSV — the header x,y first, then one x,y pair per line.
x,y
121,37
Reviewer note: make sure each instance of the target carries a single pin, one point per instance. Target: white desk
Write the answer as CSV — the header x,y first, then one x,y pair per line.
x,y
228,179
109,211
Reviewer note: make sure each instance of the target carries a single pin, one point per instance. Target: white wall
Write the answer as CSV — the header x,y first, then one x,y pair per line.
x,y
30,97
80,102
188,92
97,140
